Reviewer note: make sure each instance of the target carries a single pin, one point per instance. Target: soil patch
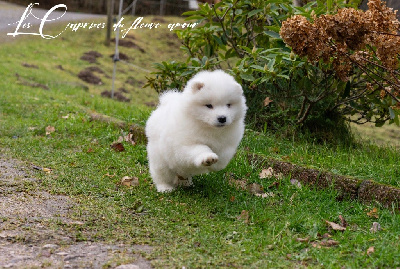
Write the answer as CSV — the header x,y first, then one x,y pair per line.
x,y
129,44
117,95
94,69
123,90
122,56
30,65
89,77
91,56
29,235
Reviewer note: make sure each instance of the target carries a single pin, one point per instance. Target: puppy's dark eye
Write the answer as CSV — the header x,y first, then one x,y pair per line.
x,y
228,105
209,106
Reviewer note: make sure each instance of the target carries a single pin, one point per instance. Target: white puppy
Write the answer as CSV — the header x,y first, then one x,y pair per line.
x,y
195,131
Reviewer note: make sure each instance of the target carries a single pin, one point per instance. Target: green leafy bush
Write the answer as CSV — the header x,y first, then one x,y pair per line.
x,y
281,88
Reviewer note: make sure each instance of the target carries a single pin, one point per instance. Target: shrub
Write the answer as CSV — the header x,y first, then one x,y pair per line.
x,y
360,47
282,89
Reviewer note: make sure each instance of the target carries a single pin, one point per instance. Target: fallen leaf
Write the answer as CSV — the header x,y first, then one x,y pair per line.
x,y
373,213
307,239
44,169
370,250
50,129
335,226
265,194
244,216
343,222
90,150
129,181
329,243
65,117
255,188
129,138
296,183
315,245
232,199
267,101
267,173
375,227
118,147
108,175
326,235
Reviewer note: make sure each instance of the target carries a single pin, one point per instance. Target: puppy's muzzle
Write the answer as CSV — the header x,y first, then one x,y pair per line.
x,y
221,119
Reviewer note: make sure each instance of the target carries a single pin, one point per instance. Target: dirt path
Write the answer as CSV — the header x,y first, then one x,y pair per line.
x,y
28,238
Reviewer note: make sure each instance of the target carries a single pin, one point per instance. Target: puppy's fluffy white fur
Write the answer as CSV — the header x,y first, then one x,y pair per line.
x,y
195,131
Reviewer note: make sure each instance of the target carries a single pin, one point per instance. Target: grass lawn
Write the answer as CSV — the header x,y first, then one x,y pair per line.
x,y
212,225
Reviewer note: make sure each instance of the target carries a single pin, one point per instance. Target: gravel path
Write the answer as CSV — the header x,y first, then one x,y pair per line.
x,y
10,14
29,240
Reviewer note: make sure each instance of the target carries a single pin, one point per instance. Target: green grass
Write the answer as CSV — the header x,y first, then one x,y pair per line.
x,y
364,161
197,227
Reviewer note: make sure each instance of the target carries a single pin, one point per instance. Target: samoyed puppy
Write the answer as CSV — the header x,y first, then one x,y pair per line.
x,y
195,131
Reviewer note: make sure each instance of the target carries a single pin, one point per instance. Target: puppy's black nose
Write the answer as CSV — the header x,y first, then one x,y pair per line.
x,y
222,119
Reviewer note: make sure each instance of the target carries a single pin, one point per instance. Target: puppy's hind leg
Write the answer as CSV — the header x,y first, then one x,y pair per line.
x,y
164,179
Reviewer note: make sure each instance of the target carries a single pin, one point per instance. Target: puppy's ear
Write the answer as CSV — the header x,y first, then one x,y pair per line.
x,y
197,86
238,88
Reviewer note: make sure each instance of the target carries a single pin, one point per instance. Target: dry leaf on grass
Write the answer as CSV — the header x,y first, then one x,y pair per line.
x,y
375,227
370,250
267,101
129,181
335,226
244,216
326,243
255,188
267,173
44,169
50,129
329,243
118,147
307,239
373,213
127,138
265,194
343,222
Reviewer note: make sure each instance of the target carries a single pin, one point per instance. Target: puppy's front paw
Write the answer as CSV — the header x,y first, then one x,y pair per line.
x,y
208,159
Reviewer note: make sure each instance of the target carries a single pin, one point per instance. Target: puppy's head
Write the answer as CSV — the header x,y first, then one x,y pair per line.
x,y
215,99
